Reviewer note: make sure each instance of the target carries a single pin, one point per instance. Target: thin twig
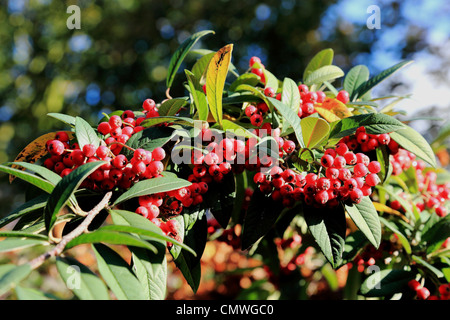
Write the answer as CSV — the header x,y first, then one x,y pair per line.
x,y
58,249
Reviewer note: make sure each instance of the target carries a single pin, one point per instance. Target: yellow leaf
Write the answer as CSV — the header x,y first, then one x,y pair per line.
x,y
215,80
333,110
35,150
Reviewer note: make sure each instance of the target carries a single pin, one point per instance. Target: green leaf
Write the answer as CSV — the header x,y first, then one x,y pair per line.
x,y
21,234
386,283
171,107
151,270
401,237
237,130
437,234
386,165
180,54
117,274
195,237
261,216
25,209
149,139
198,96
411,140
85,284
328,227
150,122
85,133
325,73
215,80
314,130
290,95
40,170
291,117
321,59
354,78
13,277
200,67
152,186
30,178
106,235
271,80
365,217
250,79
375,123
65,189
366,86
30,294
63,117
11,244
438,273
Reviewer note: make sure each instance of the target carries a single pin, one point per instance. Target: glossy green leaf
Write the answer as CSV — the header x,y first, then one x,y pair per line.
x,y
200,67
375,123
250,79
65,189
198,97
325,73
215,81
411,140
328,227
118,274
354,78
30,178
321,59
290,95
180,54
291,117
45,173
152,186
271,80
25,209
171,107
386,283
85,284
149,139
150,122
13,277
30,294
314,130
366,86
70,120
365,217
401,237
12,244
85,133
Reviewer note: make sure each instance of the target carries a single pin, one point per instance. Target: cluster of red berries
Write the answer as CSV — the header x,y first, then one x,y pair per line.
x,y
434,196
257,68
308,99
366,142
423,293
256,114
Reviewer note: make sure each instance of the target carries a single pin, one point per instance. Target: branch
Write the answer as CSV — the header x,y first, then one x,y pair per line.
x,y
59,248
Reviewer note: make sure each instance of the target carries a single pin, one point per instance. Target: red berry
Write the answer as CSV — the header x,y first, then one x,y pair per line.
x,y
56,147
341,149
423,293
374,167
89,150
350,158
372,179
254,60
148,105
360,170
115,122
256,120
327,160
143,211
62,136
250,110
269,92
158,154
356,195
120,161
343,96
289,146
384,139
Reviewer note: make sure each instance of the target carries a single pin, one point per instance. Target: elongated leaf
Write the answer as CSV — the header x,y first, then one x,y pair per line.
x,y
250,79
411,140
365,217
65,189
40,170
354,78
328,227
30,294
322,58
200,67
180,54
291,117
152,186
386,283
365,87
85,284
30,178
13,277
401,237
171,107
438,273
271,80
70,120
375,123
151,270
237,130
290,95
150,122
26,208
111,237
325,73
215,80
11,244
437,234
21,234
117,274
261,216
198,96
314,130
85,133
